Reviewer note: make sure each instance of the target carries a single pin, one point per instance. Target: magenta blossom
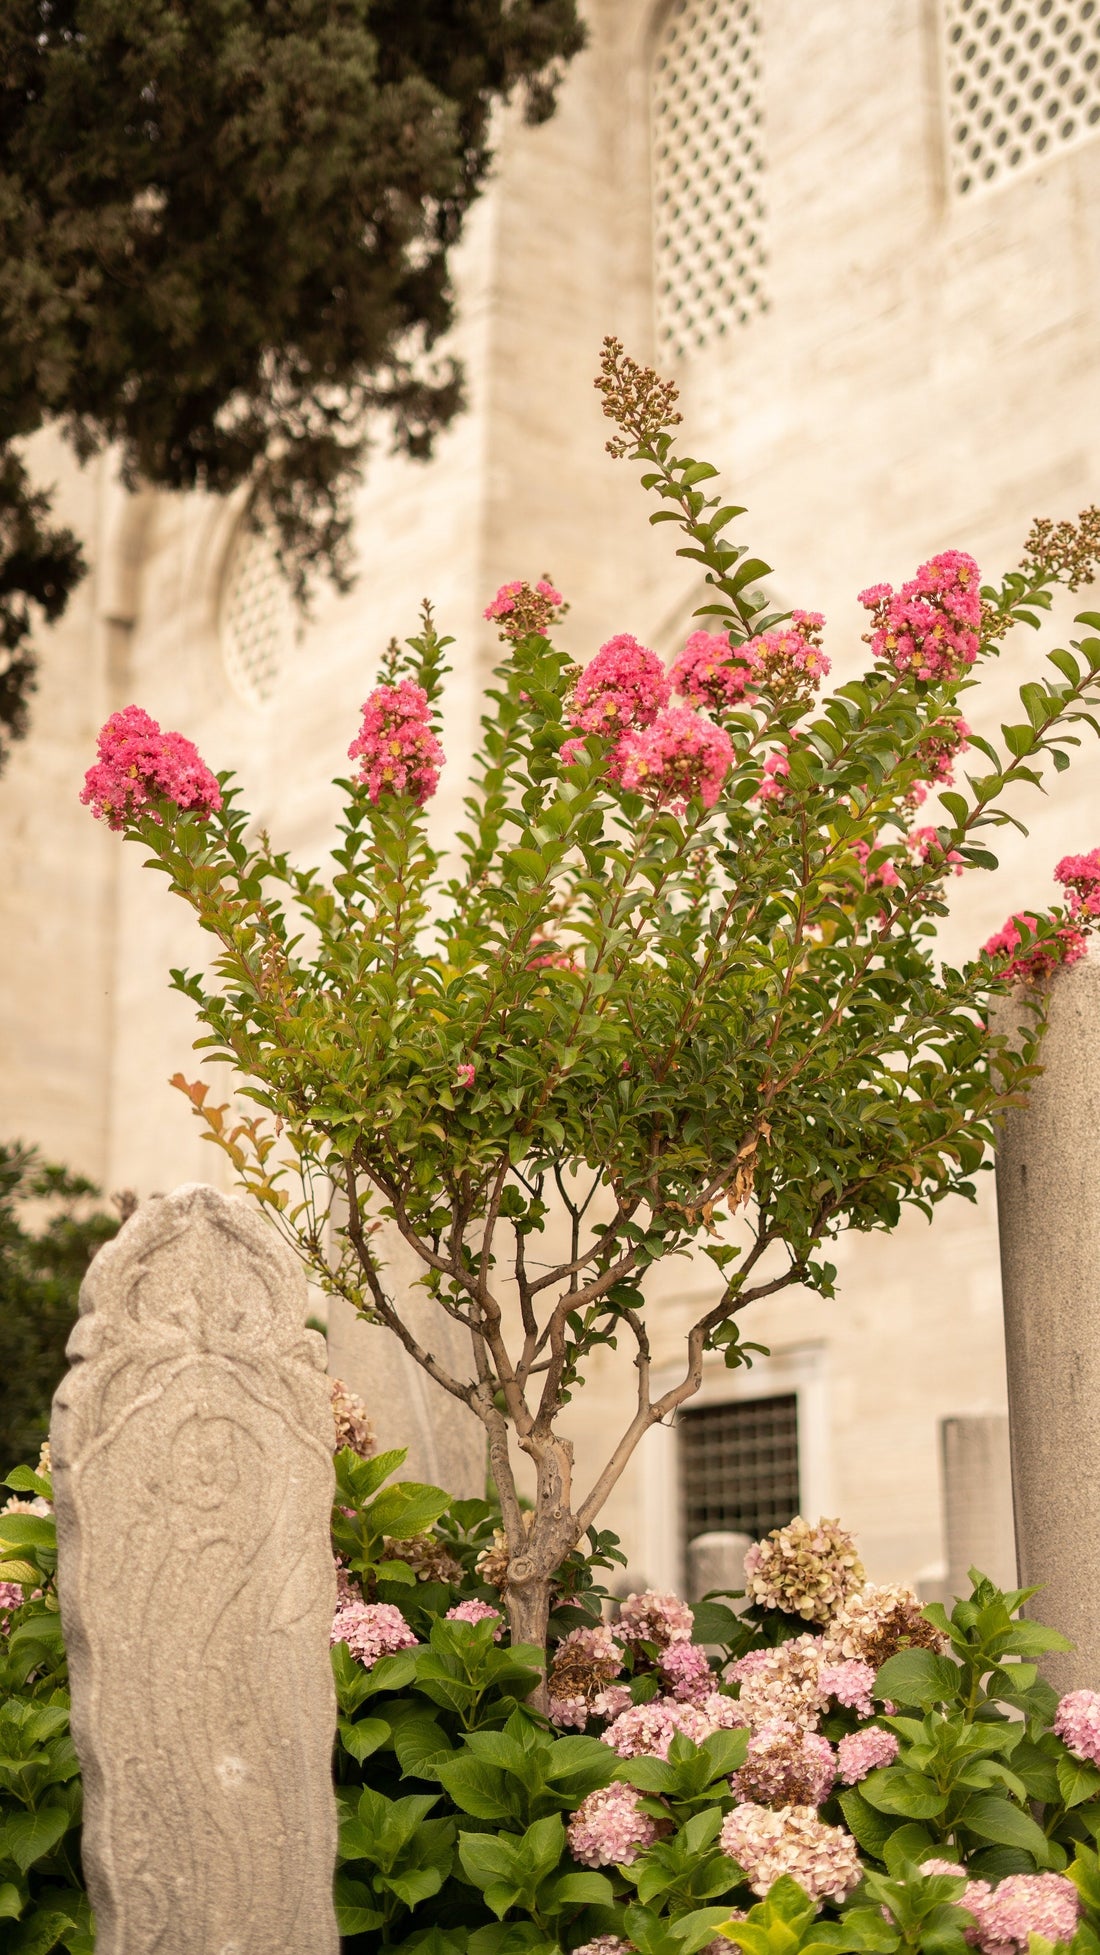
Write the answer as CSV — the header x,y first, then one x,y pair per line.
x,y
679,756
1080,875
524,610
371,1630
624,687
863,1751
789,659
395,745
929,628
709,672
474,1611
465,1075
138,763
1039,960
609,1828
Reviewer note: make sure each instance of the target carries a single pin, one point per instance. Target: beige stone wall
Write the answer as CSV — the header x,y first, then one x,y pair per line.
x,y
927,375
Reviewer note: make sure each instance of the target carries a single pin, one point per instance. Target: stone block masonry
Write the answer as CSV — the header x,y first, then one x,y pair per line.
x,y
192,1451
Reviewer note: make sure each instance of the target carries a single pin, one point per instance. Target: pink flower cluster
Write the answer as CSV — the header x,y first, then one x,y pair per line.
x,y
650,1728
1080,875
937,752
1021,1906
789,659
679,756
777,769
465,1076
864,1751
524,610
709,672
137,763
823,1859
653,1617
11,1595
686,1672
784,1682
609,1828
930,627
474,1611
371,1630
1078,1724
786,1766
883,875
925,846
581,1673
850,1683
621,690
395,745
1038,961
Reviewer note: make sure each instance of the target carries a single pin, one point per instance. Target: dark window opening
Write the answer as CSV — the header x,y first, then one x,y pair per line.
x,y
739,1466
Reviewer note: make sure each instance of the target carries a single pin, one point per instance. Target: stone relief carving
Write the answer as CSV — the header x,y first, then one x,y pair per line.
x,y
193,1483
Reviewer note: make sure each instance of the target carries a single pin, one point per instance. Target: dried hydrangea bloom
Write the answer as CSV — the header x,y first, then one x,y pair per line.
x,y
652,1617
583,1664
492,1562
371,1630
784,1682
877,1622
1077,1723
864,1751
395,746
786,1766
1022,1905
605,1945
609,1828
806,1569
429,1558
475,1611
353,1426
686,1672
823,1859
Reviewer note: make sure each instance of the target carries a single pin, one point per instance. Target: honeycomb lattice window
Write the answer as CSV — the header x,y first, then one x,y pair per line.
x,y
708,169
1023,81
739,1465
257,616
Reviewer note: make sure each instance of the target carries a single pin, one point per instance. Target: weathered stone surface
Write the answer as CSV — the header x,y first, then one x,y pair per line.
x,y
977,1501
193,1481
1048,1198
717,1561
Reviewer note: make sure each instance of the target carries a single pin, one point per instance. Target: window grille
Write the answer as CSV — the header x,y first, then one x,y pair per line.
x,y
257,616
708,169
739,1465
1023,81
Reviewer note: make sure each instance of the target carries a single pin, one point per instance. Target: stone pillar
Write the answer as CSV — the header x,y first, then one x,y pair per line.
x,y
192,1444
1048,1199
446,1442
717,1561
977,1502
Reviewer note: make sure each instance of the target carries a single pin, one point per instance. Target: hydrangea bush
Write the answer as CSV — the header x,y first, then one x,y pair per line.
x,y
674,987
832,1768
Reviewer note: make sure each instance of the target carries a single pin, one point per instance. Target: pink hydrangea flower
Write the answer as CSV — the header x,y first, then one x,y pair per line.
x,y
371,1630
709,672
465,1075
851,1683
686,1672
823,1859
784,1682
930,627
605,1945
609,1828
863,1751
653,1617
395,745
1077,1723
474,1611
581,1673
137,763
786,1766
611,1702
1080,874
11,1595
524,610
679,756
623,688
789,659
650,1728
1038,961
1022,1905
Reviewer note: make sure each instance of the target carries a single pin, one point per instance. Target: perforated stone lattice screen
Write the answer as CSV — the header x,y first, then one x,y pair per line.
x,y
257,616
1023,82
708,166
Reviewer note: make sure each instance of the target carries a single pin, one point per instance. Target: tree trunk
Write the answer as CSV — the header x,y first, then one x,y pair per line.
x,y
528,1614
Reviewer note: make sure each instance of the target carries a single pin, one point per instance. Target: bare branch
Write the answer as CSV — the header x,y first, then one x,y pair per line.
x,y
389,1316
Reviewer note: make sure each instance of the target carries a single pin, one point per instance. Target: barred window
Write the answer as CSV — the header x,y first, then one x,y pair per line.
x,y
708,168
257,616
739,1465
1023,82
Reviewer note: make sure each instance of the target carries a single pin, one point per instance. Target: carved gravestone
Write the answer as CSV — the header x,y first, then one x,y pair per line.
x,y
192,1444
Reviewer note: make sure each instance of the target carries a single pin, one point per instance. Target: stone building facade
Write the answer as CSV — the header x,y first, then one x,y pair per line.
x,y
864,236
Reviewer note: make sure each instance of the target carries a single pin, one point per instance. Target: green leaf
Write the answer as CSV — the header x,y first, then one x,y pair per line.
x,y
356,1913
362,1739
871,1829
11,1902
1077,1781
28,1836
581,1890
997,1819
919,1677
714,1623
897,1788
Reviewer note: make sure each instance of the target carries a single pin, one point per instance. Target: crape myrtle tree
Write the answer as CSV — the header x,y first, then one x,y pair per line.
x,y
677,979
224,245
